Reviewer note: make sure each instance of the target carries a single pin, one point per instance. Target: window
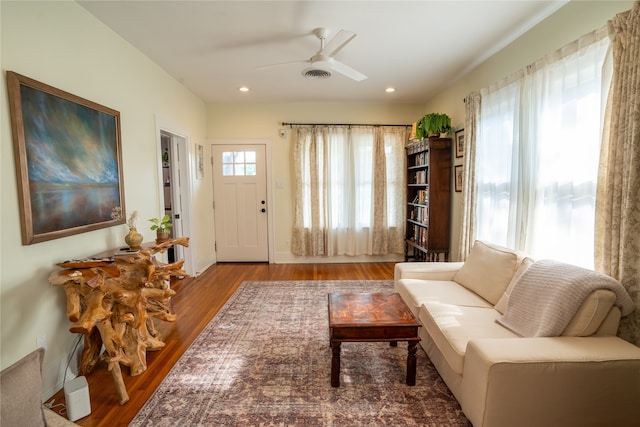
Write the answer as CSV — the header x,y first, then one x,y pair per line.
x,y
239,163
537,154
350,190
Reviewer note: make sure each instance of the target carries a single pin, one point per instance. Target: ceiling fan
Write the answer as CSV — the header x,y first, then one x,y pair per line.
x,y
322,64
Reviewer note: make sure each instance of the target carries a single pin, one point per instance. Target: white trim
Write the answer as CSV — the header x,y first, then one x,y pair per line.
x,y
289,258
267,143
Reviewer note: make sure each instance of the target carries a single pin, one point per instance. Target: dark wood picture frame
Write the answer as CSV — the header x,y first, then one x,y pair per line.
x,y
459,143
458,178
68,160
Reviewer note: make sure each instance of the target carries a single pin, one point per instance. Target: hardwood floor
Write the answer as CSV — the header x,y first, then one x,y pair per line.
x,y
196,301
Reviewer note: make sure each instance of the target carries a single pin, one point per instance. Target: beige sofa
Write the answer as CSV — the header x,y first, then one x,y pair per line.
x,y
582,376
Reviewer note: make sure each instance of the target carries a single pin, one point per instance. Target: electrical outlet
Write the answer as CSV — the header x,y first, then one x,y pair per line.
x,y
41,341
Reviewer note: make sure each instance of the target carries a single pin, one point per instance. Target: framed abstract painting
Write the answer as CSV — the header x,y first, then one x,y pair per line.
x,y
68,160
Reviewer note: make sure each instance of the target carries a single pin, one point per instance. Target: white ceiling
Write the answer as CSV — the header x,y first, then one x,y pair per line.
x,y
214,47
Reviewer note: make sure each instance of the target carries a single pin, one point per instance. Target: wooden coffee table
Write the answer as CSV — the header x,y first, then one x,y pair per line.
x,y
371,317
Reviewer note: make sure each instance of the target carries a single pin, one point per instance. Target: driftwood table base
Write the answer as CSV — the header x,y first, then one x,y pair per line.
x,y
114,302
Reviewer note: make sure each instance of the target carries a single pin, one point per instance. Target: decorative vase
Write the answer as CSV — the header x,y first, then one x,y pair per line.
x,y
133,239
161,236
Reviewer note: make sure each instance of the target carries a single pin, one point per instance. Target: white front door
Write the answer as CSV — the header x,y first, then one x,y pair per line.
x,y
240,203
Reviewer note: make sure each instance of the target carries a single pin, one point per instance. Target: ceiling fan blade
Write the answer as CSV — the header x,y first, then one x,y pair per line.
x,y
347,71
336,44
303,61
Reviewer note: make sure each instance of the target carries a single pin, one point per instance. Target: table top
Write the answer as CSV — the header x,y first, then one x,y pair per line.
x,y
368,310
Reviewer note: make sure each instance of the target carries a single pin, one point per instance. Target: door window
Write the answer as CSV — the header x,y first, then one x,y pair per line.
x,y
239,163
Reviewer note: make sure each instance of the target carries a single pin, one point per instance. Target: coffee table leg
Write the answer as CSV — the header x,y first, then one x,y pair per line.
x,y
335,363
411,363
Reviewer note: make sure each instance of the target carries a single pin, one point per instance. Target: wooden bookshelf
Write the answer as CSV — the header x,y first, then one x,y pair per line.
x,y
428,199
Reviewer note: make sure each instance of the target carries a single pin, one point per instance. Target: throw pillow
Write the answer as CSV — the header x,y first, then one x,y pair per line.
x,y
21,392
488,270
591,314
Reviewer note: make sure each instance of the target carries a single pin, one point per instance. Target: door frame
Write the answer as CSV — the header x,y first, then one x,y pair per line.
x,y
185,156
267,146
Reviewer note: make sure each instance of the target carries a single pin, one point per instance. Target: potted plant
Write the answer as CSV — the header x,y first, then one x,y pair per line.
x,y
434,124
162,227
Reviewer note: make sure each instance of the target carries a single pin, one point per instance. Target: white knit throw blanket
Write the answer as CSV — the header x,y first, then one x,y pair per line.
x,y
549,293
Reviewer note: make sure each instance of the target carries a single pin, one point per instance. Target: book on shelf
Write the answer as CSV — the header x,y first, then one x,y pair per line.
x,y
423,196
421,177
421,159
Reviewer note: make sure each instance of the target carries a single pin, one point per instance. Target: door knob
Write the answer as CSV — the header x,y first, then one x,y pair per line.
x,y
263,210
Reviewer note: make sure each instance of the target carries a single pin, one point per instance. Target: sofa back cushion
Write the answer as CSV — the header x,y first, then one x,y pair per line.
x,y
501,305
488,270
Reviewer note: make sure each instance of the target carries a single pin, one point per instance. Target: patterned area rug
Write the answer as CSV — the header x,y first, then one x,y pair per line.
x,y
265,360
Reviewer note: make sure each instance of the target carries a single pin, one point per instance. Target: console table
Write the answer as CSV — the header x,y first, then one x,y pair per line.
x,y
113,300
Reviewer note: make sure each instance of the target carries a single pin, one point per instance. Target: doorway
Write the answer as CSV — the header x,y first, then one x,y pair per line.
x,y
241,203
175,191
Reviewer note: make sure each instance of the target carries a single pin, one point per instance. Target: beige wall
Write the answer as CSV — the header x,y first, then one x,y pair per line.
x,y
246,121
567,24
60,44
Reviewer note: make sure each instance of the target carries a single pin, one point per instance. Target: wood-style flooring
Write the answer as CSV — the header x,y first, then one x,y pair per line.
x,y
196,301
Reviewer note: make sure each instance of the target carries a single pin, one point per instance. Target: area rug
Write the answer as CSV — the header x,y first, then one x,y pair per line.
x,y
265,360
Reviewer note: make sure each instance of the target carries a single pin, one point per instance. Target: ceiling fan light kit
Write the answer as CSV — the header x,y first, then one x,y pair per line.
x,y
316,73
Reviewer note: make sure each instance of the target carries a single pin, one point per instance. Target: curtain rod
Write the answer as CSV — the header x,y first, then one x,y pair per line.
x,y
336,124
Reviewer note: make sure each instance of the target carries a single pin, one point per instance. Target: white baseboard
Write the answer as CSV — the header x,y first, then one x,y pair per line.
x,y
289,258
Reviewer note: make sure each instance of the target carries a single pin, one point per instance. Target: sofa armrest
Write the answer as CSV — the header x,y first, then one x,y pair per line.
x,y
551,381
426,270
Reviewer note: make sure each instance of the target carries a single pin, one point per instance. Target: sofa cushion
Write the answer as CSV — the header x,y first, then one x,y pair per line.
x,y
501,305
416,292
426,270
451,327
21,392
488,270
591,314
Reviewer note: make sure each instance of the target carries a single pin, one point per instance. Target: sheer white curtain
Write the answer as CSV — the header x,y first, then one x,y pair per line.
x,y
349,197
537,153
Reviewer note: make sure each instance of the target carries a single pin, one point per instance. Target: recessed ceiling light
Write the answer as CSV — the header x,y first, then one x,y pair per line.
x,y
244,89
390,89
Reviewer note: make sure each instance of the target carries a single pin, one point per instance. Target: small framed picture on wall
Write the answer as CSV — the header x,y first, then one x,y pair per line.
x,y
199,161
457,176
459,143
